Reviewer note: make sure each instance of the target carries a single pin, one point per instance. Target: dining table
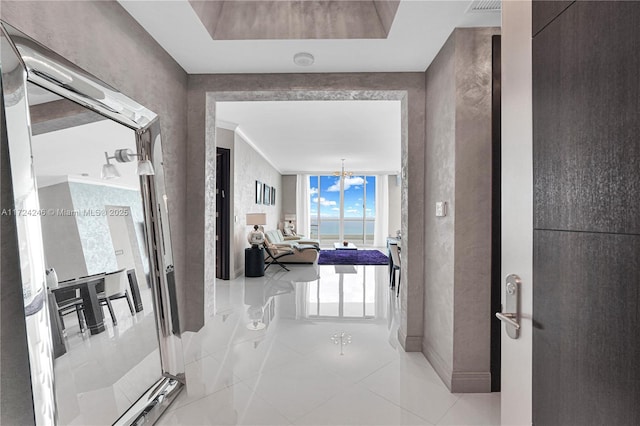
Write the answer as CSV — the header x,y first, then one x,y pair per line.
x,y
89,294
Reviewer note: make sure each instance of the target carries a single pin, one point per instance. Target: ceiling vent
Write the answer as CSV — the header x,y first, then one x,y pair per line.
x,y
484,6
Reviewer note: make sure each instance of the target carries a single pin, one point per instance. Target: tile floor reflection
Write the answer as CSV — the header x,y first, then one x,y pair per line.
x,y
266,357
102,375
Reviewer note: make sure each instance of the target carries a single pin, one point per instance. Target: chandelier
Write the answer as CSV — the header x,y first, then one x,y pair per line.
x,y
342,173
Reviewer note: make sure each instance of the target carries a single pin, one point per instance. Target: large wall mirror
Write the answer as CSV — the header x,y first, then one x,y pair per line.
x,y
93,242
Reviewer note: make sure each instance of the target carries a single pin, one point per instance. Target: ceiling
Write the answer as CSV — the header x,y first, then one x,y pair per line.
x,y
37,95
312,136
417,32
78,153
68,142
209,37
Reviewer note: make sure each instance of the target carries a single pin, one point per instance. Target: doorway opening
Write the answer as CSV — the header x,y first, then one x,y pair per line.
x,y
223,212
394,176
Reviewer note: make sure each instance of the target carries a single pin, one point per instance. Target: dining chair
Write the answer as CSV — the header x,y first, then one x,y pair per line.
x,y
68,302
115,287
395,258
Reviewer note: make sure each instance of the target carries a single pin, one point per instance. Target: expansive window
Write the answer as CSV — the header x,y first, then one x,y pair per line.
x,y
342,210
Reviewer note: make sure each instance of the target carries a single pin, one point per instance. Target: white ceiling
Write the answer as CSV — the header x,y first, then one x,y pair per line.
x,y
78,151
418,32
306,136
37,95
312,136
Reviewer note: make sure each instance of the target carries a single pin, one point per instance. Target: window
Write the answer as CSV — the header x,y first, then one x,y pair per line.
x,y
342,211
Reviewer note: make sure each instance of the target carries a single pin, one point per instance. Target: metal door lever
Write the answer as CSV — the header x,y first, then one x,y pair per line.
x,y
511,318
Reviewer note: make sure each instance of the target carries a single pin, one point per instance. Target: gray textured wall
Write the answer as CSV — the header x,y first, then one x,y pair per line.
x,y
458,256
440,231
395,200
200,186
472,315
251,166
57,115
102,38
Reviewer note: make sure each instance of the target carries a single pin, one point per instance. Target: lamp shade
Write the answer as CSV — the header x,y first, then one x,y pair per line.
x,y
145,168
109,171
256,218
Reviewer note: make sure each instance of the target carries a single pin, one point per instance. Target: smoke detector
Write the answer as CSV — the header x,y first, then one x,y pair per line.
x,y
303,59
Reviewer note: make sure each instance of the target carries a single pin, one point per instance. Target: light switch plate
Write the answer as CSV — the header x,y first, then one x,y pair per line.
x,y
441,208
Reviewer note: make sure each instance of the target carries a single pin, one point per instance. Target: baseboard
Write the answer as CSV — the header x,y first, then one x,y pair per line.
x,y
237,273
471,382
438,364
458,381
409,343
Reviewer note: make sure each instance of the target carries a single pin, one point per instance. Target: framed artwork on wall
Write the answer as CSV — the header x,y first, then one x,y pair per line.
x,y
258,192
273,196
266,195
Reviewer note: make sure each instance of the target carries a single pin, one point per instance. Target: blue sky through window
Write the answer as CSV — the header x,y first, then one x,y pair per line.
x,y
326,196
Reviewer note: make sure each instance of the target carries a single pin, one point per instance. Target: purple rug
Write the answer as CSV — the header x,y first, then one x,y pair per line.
x,y
352,257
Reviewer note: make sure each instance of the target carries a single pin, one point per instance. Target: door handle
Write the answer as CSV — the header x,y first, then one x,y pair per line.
x,y
511,318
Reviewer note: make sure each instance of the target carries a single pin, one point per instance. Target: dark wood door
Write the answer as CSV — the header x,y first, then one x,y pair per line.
x,y
586,291
223,212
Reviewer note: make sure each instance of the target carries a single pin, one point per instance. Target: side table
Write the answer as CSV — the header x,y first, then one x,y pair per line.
x,y
254,262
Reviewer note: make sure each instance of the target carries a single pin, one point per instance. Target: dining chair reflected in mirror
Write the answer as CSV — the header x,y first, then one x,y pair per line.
x,y
68,302
395,259
115,287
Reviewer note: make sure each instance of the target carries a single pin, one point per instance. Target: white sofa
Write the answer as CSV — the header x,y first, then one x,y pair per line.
x,y
300,251
276,237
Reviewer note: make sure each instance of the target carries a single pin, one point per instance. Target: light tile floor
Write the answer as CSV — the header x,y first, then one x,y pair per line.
x,y
101,376
291,372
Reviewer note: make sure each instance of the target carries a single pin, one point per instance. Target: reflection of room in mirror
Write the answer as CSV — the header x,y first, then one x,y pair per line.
x,y
92,227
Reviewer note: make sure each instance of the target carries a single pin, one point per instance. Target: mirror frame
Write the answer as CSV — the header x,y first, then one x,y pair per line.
x,y
25,60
